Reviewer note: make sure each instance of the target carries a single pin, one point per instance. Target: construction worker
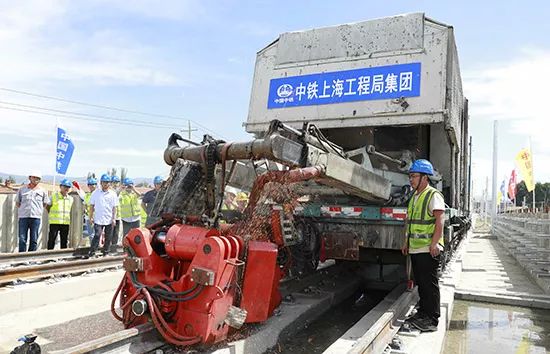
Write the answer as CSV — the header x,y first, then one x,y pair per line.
x,y
149,199
130,210
30,201
242,200
92,185
59,209
424,243
103,210
229,202
115,185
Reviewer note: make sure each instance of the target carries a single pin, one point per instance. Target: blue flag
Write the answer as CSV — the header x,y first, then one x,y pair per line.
x,y
65,148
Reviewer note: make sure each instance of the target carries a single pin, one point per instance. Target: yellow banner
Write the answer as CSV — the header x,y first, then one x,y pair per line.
x,y
524,161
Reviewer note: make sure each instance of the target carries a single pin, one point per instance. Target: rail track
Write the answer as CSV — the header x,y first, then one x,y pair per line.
x,y
12,259
382,323
46,264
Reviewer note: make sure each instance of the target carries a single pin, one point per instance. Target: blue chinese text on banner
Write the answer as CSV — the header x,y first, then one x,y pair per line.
x,y
376,83
65,148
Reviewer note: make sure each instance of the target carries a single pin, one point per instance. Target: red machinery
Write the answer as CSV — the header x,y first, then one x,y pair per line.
x,y
194,282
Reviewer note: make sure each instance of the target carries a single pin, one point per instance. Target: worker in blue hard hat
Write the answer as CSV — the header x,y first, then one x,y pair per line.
x,y
115,183
130,209
92,185
103,209
424,243
149,199
116,186
59,209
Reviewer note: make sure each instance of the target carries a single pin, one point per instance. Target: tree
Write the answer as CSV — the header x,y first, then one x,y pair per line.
x,y
522,194
542,194
1,180
11,179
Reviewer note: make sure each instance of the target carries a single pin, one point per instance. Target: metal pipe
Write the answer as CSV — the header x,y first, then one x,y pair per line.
x,y
275,147
372,150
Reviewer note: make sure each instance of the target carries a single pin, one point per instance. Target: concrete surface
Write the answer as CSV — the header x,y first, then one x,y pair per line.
x,y
140,339
32,295
488,267
61,324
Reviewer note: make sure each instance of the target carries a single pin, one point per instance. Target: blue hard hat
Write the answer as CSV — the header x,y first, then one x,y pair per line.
x,y
115,178
105,178
158,180
92,181
422,166
128,181
65,182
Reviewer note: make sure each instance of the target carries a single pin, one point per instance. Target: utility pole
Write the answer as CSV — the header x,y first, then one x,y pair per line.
x,y
485,201
188,130
495,164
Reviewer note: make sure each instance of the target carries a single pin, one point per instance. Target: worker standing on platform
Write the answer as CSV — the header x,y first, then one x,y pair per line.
x,y
130,210
103,209
149,199
424,243
30,202
92,185
59,209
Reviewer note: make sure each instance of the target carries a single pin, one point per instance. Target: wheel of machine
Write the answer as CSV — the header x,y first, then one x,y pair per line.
x,y
306,253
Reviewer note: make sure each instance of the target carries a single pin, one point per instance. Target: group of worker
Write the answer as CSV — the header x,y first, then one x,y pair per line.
x,y
106,208
114,204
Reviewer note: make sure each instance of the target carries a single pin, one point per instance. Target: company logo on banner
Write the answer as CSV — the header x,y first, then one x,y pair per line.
x,y
65,148
377,83
524,161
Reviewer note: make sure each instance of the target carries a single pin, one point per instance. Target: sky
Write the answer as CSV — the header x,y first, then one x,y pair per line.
x,y
192,62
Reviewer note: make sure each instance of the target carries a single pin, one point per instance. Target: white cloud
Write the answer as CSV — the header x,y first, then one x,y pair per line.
x,y
40,46
515,91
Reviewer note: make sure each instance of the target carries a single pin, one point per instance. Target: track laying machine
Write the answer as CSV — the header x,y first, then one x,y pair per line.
x,y
338,115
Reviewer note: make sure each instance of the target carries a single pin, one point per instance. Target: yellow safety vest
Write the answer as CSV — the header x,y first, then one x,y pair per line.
x,y
87,197
128,205
420,223
60,211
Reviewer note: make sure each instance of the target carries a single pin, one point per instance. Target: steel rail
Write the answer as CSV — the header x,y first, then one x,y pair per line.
x,y
30,256
27,258
9,275
387,317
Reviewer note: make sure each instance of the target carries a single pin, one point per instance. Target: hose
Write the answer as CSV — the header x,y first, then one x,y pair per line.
x,y
164,329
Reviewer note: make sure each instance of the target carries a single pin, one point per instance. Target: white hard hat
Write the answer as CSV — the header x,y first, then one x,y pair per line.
x,y
36,173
